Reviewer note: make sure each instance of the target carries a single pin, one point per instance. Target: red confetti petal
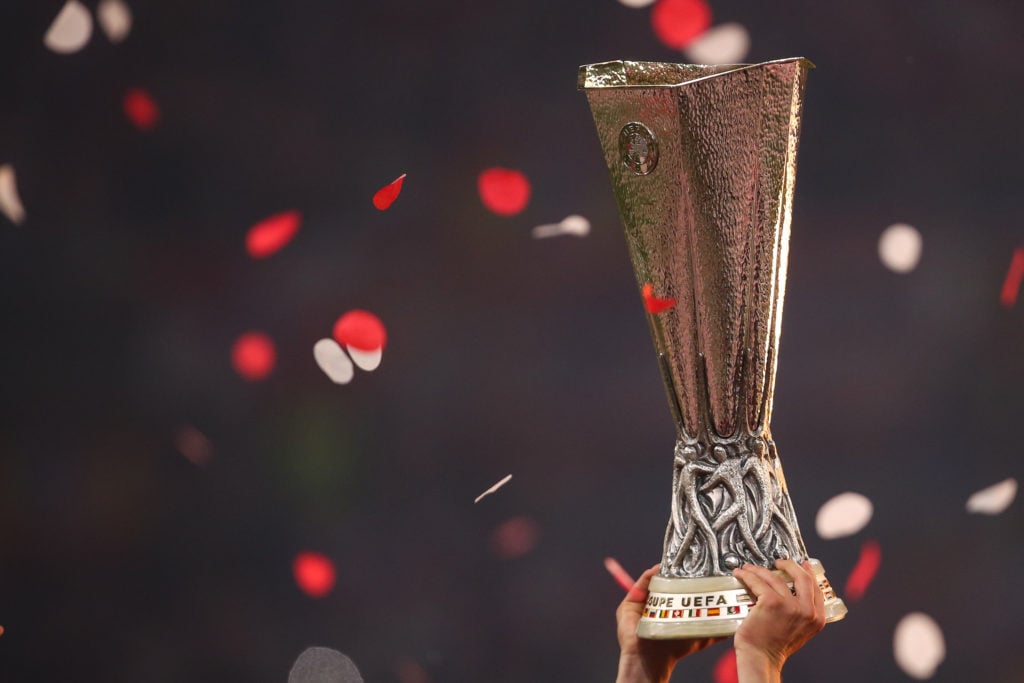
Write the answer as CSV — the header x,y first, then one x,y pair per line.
x,y
619,574
1011,285
623,578
271,234
411,672
140,109
725,668
387,195
361,330
514,538
194,445
504,191
314,574
678,22
652,303
253,356
864,571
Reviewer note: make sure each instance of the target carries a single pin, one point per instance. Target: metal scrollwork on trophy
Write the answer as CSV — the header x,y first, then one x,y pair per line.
x,y
703,163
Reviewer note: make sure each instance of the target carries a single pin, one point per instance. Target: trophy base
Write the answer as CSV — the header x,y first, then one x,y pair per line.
x,y
712,606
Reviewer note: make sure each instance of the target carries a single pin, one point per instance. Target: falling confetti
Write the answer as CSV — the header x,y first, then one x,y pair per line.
x,y
722,44
899,247
360,330
514,538
333,361
70,30
253,356
570,225
1011,285
140,109
994,499
678,22
652,303
918,645
314,574
494,488
323,665
636,4
194,445
864,571
411,672
504,191
10,202
115,19
386,196
366,360
619,574
843,515
271,234
725,668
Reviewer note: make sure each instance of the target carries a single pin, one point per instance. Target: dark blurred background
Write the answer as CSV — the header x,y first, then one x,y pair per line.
x,y
123,290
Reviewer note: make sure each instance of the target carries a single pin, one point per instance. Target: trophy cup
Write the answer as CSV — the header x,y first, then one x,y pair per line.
x,y
703,162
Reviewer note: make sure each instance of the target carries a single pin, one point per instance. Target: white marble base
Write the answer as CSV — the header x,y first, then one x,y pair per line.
x,y
712,606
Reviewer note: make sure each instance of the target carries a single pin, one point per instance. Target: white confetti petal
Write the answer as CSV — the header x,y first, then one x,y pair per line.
x,y
323,665
843,515
493,489
71,30
333,361
10,202
366,360
547,230
575,225
994,499
722,44
115,19
570,225
637,3
899,247
918,645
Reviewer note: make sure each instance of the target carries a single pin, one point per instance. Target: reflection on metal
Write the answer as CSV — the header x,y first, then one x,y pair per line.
x,y
707,223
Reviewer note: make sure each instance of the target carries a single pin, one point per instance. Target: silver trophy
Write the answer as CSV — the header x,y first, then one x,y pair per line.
x,y
703,163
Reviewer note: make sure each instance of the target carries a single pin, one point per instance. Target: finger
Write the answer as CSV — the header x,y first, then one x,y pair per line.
x,y
754,582
803,582
773,580
819,595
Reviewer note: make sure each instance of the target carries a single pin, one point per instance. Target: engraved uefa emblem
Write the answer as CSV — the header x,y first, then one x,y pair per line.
x,y
638,148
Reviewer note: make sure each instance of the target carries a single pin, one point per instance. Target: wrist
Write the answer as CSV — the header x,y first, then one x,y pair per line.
x,y
635,669
757,666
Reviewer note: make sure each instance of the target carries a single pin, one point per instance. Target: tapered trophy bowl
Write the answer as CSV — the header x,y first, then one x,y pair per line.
x,y
703,163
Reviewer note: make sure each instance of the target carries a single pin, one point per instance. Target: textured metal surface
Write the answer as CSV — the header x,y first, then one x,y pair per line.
x,y
709,227
621,74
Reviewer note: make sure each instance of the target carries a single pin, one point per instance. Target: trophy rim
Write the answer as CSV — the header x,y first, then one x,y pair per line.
x,y
614,74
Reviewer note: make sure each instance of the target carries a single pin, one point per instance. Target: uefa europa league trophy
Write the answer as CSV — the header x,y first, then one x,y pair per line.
x,y
703,161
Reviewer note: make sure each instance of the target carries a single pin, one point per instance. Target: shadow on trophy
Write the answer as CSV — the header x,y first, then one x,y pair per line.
x,y
703,162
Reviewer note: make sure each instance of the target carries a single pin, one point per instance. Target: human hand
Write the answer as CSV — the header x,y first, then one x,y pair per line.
x,y
642,660
780,622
